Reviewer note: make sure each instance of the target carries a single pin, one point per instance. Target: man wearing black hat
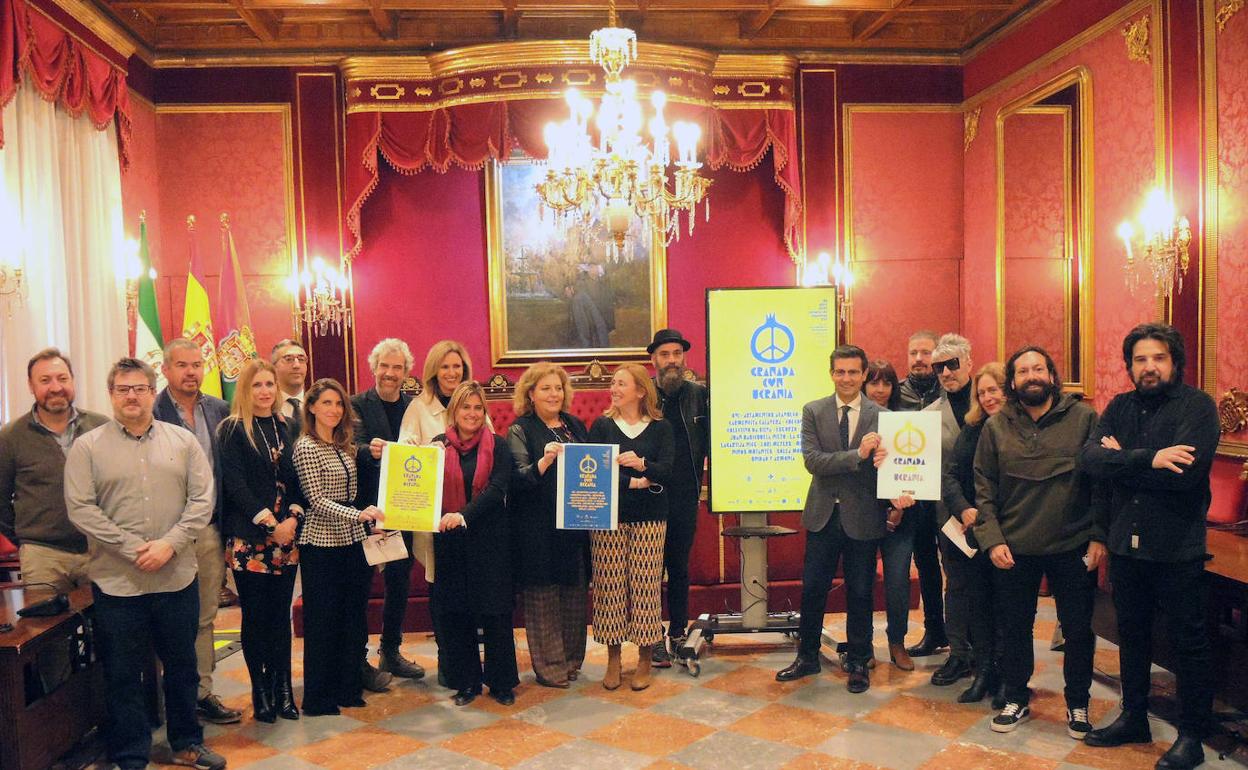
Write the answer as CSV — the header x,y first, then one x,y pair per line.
x,y
685,404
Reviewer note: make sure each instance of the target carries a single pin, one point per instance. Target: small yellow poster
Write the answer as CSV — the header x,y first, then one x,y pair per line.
x,y
410,490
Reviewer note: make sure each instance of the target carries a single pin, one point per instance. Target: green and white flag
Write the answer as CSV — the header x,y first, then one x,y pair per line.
x,y
149,344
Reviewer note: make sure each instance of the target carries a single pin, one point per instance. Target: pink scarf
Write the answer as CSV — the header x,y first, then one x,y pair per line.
x,y
453,476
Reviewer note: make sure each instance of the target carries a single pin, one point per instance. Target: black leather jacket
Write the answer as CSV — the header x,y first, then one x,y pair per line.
x,y
691,404
912,400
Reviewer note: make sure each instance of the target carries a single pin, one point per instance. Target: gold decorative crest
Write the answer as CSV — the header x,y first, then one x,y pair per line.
x,y
1136,35
1233,411
1226,11
970,127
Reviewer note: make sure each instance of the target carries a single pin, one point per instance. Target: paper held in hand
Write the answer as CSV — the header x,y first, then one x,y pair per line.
x,y
912,466
410,489
587,484
953,531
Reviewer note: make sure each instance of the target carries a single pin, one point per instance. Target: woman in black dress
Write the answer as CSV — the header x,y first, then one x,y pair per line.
x,y
472,549
259,492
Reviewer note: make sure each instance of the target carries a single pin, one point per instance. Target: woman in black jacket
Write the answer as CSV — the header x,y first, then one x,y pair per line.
x,y
472,549
552,565
975,580
259,499
628,561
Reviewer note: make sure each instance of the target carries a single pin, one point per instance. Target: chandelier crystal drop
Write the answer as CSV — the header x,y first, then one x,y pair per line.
x,y
1163,250
621,176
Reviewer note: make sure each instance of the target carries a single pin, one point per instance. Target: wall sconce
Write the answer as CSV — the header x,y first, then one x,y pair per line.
x,y
824,271
1164,239
320,300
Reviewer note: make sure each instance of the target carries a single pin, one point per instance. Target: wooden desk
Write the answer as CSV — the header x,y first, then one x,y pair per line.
x,y
36,727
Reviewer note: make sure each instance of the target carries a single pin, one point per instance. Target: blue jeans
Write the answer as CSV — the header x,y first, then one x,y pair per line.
x,y
127,628
896,549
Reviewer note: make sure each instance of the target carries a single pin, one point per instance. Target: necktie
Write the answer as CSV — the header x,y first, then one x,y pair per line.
x,y
845,427
294,406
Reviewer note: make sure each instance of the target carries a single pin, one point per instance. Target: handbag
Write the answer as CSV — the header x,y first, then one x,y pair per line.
x,y
383,547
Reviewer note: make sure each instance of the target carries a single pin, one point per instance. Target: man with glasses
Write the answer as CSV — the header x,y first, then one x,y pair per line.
x,y
291,362
183,403
32,470
141,491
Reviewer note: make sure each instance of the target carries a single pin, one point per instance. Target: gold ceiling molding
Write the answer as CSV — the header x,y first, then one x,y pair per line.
x,y
1226,11
107,30
850,56
562,53
1136,36
970,127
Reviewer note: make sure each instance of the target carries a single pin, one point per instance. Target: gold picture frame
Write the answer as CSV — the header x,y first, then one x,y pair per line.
x,y
561,296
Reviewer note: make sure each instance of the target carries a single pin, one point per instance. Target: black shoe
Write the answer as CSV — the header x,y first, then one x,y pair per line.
x,y
930,644
262,707
284,696
953,670
504,697
319,711
1077,724
998,697
659,656
199,757
1185,753
799,668
352,703
211,709
1127,728
464,697
393,662
1010,717
983,683
547,683
859,678
374,680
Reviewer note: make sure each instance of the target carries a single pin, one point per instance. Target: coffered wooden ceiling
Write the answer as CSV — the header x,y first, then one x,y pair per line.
x,y
171,28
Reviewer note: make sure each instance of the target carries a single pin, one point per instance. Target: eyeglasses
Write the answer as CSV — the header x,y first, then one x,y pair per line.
x,y
294,359
138,390
952,365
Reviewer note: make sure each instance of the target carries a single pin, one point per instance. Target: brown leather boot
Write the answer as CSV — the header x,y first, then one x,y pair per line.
x,y
641,678
611,680
899,656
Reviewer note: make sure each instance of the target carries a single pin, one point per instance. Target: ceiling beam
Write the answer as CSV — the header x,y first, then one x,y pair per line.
x,y
386,22
261,23
868,31
754,24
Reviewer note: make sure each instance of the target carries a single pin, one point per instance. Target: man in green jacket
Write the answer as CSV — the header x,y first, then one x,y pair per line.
x,y
32,471
1037,519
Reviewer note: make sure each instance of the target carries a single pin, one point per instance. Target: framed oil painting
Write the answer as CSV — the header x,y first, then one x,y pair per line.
x,y
565,295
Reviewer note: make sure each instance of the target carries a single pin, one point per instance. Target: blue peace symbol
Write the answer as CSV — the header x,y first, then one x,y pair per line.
x,y
773,342
412,465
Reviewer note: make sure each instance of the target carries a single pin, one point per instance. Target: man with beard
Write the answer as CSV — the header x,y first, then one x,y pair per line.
x,y
1037,519
290,361
1154,447
182,403
378,415
685,405
919,390
32,475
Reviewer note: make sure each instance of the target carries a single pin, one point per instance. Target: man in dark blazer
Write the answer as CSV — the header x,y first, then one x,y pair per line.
x,y
183,403
378,415
842,517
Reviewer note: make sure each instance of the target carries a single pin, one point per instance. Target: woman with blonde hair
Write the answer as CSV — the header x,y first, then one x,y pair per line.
x,y
551,565
628,561
335,574
262,516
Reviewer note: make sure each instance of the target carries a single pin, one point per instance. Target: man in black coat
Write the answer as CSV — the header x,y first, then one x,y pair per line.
x,y
1154,446
378,415
184,404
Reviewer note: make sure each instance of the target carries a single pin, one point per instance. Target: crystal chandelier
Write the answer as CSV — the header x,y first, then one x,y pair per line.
x,y
621,177
323,308
1165,238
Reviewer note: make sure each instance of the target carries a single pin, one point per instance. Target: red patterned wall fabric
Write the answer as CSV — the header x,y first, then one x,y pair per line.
x,y
468,135
905,205
1035,234
62,69
1232,75
1124,169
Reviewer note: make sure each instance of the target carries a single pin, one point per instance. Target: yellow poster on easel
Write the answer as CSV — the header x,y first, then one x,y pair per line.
x,y
410,489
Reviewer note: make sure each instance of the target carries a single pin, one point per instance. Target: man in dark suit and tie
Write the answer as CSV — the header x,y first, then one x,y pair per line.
x,y
291,362
184,404
843,519
378,415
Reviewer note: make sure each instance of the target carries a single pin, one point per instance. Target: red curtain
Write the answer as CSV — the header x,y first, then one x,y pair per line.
x,y
471,134
63,69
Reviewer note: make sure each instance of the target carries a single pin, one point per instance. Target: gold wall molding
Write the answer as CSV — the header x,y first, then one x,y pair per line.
x,y
970,127
107,30
1136,37
1226,11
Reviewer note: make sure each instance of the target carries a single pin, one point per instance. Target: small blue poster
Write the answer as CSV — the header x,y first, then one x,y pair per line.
x,y
588,480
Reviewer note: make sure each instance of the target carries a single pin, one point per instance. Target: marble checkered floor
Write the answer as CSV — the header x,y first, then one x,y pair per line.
x,y
735,715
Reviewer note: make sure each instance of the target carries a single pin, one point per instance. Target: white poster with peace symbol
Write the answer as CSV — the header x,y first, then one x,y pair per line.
x,y
912,466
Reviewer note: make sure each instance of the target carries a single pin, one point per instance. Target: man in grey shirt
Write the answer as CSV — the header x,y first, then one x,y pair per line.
x,y
141,491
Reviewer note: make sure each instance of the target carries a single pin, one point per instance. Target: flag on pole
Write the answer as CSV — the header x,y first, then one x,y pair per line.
x,y
197,316
236,343
149,343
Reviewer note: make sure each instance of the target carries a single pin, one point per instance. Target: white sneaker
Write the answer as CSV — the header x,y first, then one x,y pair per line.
x,y
1077,724
1010,717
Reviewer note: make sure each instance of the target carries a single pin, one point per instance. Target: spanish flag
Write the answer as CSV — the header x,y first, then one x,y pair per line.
x,y
197,317
236,343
